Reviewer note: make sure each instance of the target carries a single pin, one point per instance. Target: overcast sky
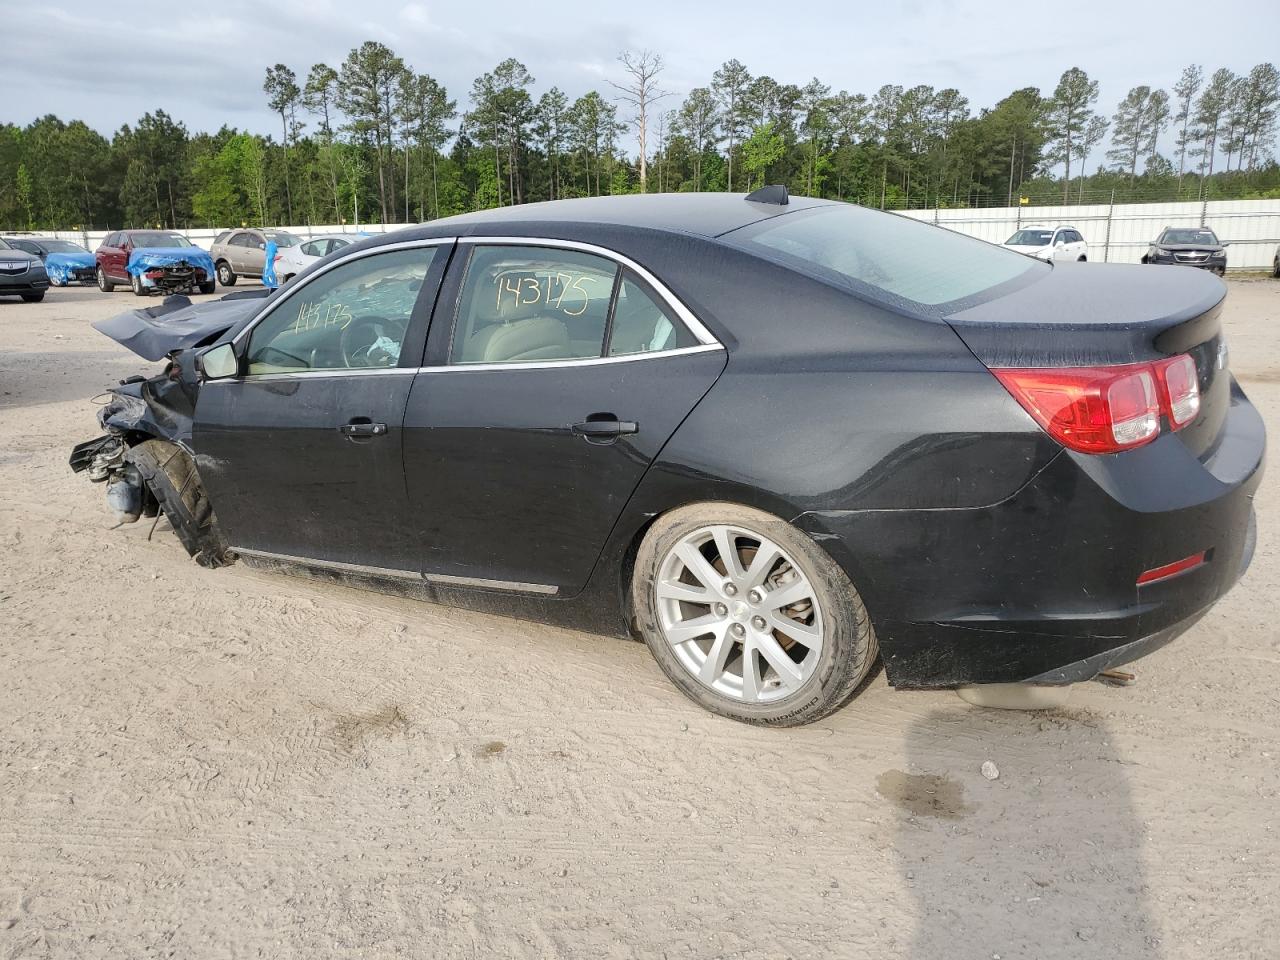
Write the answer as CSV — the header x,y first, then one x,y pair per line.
x,y
108,63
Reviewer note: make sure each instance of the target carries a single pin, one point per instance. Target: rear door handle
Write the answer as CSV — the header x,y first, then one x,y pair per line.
x,y
362,427
597,431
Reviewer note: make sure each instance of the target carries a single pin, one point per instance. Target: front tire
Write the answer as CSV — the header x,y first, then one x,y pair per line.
x,y
139,290
226,276
170,475
208,287
33,297
748,617
104,283
1275,268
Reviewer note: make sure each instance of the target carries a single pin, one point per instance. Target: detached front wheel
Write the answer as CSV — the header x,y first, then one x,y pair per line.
x,y
749,617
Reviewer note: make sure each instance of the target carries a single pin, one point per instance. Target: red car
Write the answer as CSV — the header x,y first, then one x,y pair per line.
x,y
113,255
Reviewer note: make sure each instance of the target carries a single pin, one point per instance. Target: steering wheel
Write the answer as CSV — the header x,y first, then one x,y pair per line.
x,y
371,341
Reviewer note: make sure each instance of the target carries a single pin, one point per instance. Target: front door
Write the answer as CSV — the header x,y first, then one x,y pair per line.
x,y
561,377
301,453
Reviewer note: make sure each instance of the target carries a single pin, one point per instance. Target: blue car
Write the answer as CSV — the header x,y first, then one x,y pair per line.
x,y
65,262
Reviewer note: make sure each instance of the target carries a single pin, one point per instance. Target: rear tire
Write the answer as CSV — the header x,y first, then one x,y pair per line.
x,y
104,282
1082,259
845,639
33,297
170,475
1275,268
226,276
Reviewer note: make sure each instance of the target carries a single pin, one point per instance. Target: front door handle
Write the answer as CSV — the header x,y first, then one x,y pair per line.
x,y
363,427
602,429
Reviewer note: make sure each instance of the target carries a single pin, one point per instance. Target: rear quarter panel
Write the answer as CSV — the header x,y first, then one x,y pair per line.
x,y
829,404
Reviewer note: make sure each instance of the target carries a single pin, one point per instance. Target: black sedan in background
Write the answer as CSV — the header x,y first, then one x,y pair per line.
x,y
22,274
1189,247
773,437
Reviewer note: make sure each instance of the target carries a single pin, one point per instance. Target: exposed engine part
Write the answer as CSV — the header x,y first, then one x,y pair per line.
x,y
108,460
125,494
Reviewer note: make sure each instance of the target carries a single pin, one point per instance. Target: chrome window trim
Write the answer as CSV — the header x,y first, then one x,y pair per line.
x,y
572,361
695,326
469,367
297,285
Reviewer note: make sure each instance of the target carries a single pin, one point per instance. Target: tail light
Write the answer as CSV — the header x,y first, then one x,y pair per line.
x,y
1106,409
1180,389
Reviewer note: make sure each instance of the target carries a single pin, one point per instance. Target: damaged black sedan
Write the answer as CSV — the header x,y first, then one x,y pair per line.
x,y
775,438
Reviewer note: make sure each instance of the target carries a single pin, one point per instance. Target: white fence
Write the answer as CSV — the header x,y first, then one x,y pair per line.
x,y
1120,233
1117,233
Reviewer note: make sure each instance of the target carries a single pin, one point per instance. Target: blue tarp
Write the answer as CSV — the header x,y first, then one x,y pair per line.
x,y
269,278
149,257
61,266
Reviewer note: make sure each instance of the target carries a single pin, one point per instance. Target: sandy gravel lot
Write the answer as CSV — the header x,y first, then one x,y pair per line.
x,y
234,763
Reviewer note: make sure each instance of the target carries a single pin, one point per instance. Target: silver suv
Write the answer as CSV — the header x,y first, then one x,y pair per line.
x,y
241,253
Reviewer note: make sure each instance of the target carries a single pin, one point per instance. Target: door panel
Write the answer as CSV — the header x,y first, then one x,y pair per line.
x,y
302,453
503,488
283,476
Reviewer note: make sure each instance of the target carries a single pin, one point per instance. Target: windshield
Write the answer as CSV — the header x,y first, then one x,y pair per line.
x,y
1190,235
903,258
1032,237
153,238
283,239
63,246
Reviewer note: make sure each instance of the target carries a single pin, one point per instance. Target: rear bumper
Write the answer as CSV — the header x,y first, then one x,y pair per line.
x,y
1042,586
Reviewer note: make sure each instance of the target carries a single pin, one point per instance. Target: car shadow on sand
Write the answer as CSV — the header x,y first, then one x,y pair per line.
x,y
1044,861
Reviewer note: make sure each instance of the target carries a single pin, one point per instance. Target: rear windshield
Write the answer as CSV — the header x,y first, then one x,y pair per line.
x,y
149,238
283,239
870,251
1193,235
1030,238
63,246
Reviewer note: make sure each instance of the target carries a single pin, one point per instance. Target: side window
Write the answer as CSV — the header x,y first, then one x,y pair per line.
x,y
354,316
643,323
337,244
1076,237
523,303
242,240
314,248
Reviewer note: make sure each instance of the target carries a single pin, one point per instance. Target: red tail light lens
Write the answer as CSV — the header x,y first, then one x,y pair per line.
x,y
1107,409
1090,409
1180,386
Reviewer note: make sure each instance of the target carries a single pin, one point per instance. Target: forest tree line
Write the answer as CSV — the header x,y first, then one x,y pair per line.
x,y
373,140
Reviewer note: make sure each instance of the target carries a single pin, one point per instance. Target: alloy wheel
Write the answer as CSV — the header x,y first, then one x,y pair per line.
x,y
741,616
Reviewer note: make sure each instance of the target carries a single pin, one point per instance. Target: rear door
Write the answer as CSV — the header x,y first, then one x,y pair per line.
x,y
301,453
118,257
558,373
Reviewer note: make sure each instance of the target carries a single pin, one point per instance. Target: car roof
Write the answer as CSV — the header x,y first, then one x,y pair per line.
x,y
701,214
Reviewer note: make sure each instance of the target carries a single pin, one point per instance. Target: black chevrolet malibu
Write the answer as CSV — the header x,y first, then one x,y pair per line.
x,y
775,439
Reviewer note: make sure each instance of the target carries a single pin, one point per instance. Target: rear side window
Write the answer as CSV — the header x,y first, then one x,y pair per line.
x,y
889,256
522,304
642,323
314,248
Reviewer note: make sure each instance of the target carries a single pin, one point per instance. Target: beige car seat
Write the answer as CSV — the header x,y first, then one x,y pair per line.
x,y
508,331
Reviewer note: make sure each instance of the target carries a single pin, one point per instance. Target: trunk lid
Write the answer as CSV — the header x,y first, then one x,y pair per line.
x,y
1082,315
